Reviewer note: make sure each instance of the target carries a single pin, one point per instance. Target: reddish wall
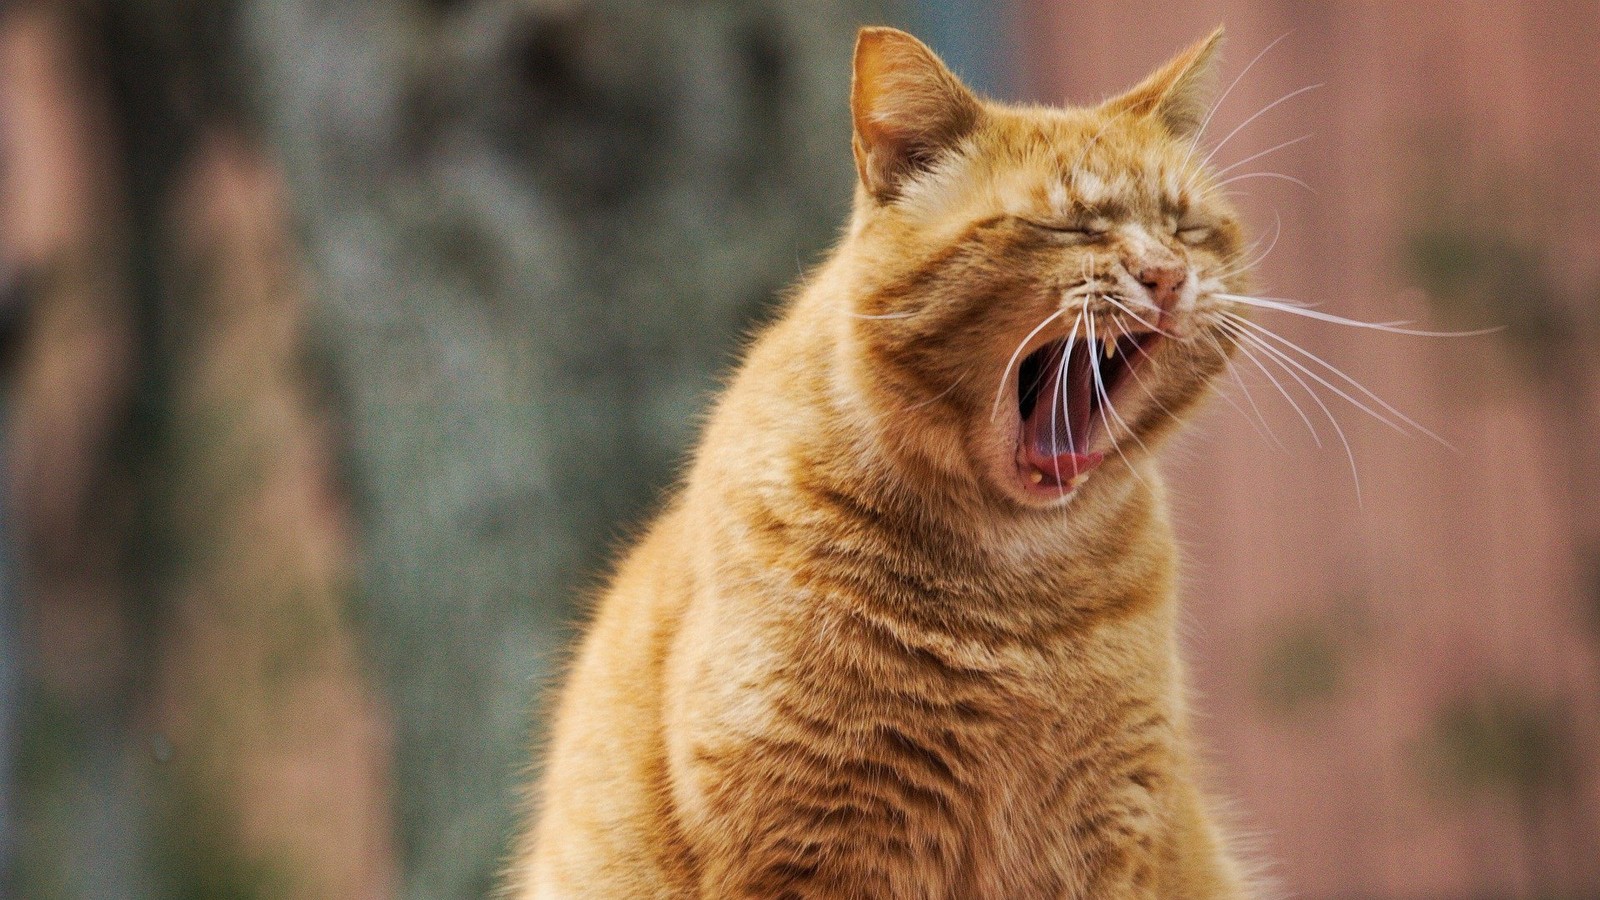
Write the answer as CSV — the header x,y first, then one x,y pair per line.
x,y
1454,578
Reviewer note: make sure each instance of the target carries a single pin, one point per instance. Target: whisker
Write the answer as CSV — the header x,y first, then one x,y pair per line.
x,y
1268,433
1315,437
1279,354
1350,455
1034,388
1094,380
1005,376
898,315
1277,231
1133,371
1055,408
1066,356
1200,132
1346,378
1255,156
1284,357
1263,111
1105,407
942,394
1128,311
1227,181
1060,400
1228,399
1287,306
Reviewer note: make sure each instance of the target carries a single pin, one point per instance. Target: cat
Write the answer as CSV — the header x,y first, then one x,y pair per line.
x,y
907,629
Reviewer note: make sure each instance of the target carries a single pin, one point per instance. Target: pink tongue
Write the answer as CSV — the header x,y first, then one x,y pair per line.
x,y
1056,433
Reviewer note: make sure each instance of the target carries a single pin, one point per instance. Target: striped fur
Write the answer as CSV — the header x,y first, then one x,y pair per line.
x,y
855,657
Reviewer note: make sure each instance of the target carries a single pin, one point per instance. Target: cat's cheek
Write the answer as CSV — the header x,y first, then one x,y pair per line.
x,y
1000,462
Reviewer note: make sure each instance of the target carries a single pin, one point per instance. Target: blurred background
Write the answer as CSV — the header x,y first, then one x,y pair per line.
x,y
340,343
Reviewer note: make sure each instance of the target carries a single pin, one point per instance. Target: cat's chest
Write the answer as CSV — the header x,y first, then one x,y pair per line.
x,y
1030,731
1003,761
1064,769
1039,772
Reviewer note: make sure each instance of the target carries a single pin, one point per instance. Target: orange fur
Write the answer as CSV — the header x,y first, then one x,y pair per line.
x,y
865,653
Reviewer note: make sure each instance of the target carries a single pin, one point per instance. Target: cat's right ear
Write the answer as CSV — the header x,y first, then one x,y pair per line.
x,y
907,108
1178,93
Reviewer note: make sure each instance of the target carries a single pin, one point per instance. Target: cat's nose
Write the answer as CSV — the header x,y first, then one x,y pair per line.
x,y
1163,282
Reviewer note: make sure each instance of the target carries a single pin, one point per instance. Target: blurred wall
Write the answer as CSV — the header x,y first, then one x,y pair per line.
x,y
194,718
356,334
1401,690
541,230
367,331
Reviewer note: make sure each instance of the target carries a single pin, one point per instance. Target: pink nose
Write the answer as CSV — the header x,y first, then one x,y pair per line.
x,y
1163,283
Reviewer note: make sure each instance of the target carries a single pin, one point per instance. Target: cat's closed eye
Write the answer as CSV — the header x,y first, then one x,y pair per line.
x,y
1078,232
1189,227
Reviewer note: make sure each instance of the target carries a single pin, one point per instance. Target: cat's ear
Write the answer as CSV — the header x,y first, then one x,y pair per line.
x,y
1178,93
907,108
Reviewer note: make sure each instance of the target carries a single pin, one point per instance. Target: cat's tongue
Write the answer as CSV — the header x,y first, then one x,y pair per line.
x,y
1055,435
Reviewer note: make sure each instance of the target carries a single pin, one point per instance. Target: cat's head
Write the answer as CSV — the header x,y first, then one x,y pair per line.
x,y
1035,291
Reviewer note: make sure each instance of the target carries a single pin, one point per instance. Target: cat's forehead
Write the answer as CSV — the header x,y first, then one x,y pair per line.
x,y
1089,160
1059,163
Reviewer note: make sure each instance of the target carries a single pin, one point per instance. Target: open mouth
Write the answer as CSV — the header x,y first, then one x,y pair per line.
x,y
1062,396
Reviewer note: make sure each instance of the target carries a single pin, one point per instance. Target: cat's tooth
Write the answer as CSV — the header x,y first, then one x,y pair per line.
x,y
1078,480
1036,477
1111,348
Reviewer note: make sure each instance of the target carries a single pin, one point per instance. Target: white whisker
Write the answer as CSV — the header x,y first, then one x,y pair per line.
x,y
1287,306
1279,354
1346,378
1005,376
1350,455
1277,231
1228,399
1263,428
1066,357
1105,407
1061,398
942,394
1134,371
1227,181
1200,132
1055,399
1315,437
1135,316
1255,156
1263,111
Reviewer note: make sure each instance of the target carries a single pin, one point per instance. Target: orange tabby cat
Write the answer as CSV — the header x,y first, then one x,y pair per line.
x,y
908,629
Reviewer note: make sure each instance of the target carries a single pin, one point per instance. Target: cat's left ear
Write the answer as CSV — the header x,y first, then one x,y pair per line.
x,y
908,108
1178,93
